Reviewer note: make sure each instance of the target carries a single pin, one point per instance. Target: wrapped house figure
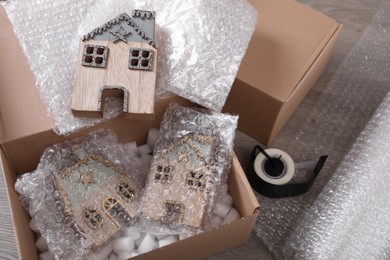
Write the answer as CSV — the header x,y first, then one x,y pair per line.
x,y
118,58
178,182
98,196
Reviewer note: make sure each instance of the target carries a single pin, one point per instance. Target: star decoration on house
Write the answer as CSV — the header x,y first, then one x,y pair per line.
x,y
183,155
120,35
86,178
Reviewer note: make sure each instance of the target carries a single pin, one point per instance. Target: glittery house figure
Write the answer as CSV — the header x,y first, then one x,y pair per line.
x,y
117,58
98,196
178,182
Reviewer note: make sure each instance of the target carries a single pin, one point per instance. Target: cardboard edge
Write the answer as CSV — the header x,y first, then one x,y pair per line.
x,y
235,234
311,76
316,54
242,185
245,121
30,100
24,236
241,228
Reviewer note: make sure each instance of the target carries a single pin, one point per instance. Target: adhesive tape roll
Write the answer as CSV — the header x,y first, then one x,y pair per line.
x,y
278,170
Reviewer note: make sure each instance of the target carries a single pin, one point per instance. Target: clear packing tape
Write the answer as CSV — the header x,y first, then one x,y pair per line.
x,y
201,44
344,215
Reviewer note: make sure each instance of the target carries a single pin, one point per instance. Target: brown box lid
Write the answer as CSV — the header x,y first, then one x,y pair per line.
x,y
288,38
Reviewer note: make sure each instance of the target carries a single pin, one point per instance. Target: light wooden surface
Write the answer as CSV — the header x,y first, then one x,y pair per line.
x,y
138,86
355,15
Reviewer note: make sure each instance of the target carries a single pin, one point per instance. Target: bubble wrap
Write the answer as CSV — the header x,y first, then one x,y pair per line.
x,y
192,159
198,61
45,30
348,102
43,197
349,219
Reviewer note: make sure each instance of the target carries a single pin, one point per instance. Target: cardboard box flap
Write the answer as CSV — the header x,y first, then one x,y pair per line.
x,y
276,65
239,187
21,104
24,236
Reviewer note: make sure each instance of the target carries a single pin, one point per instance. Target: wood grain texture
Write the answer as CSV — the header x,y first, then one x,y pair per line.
x,y
355,15
138,85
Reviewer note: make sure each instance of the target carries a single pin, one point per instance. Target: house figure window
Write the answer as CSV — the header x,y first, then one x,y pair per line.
x,y
126,191
93,218
95,56
163,174
140,59
115,210
173,212
195,180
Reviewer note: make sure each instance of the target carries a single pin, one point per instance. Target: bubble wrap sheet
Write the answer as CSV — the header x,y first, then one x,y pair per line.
x,y
348,102
66,234
201,44
192,159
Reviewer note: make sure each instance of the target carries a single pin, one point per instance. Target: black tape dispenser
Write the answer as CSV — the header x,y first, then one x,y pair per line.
x,y
271,172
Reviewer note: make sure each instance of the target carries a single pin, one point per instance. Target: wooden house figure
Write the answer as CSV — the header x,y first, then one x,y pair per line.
x,y
98,196
118,58
178,182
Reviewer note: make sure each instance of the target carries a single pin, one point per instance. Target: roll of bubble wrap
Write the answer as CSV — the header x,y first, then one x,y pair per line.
x,y
350,218
201,44
348,102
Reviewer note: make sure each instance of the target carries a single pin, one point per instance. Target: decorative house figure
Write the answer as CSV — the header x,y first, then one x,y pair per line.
x,y
98,196
118,58
179,181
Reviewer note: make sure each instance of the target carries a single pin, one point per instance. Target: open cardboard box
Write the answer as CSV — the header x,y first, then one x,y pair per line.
x,y
25,131
288,52
200,246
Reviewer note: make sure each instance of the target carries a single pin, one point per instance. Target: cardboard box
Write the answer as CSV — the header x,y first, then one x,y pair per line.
x,y
288,52
25,131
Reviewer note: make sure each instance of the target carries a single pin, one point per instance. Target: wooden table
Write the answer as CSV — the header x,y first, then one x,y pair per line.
x,y
355,15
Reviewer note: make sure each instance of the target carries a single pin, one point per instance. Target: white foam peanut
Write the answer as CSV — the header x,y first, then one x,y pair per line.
x,y
133,149
147,244
146,160
144,149
224,189
139,240
167,241
33,225
124,255
153,134
216,221
231,216
132,232
113,257
46,256
161,236
123,244
222,209
184,235
41,244
227,199
102,253
134,254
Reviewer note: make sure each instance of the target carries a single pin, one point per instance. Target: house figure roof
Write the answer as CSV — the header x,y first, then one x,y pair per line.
x,y
123,28
192,148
